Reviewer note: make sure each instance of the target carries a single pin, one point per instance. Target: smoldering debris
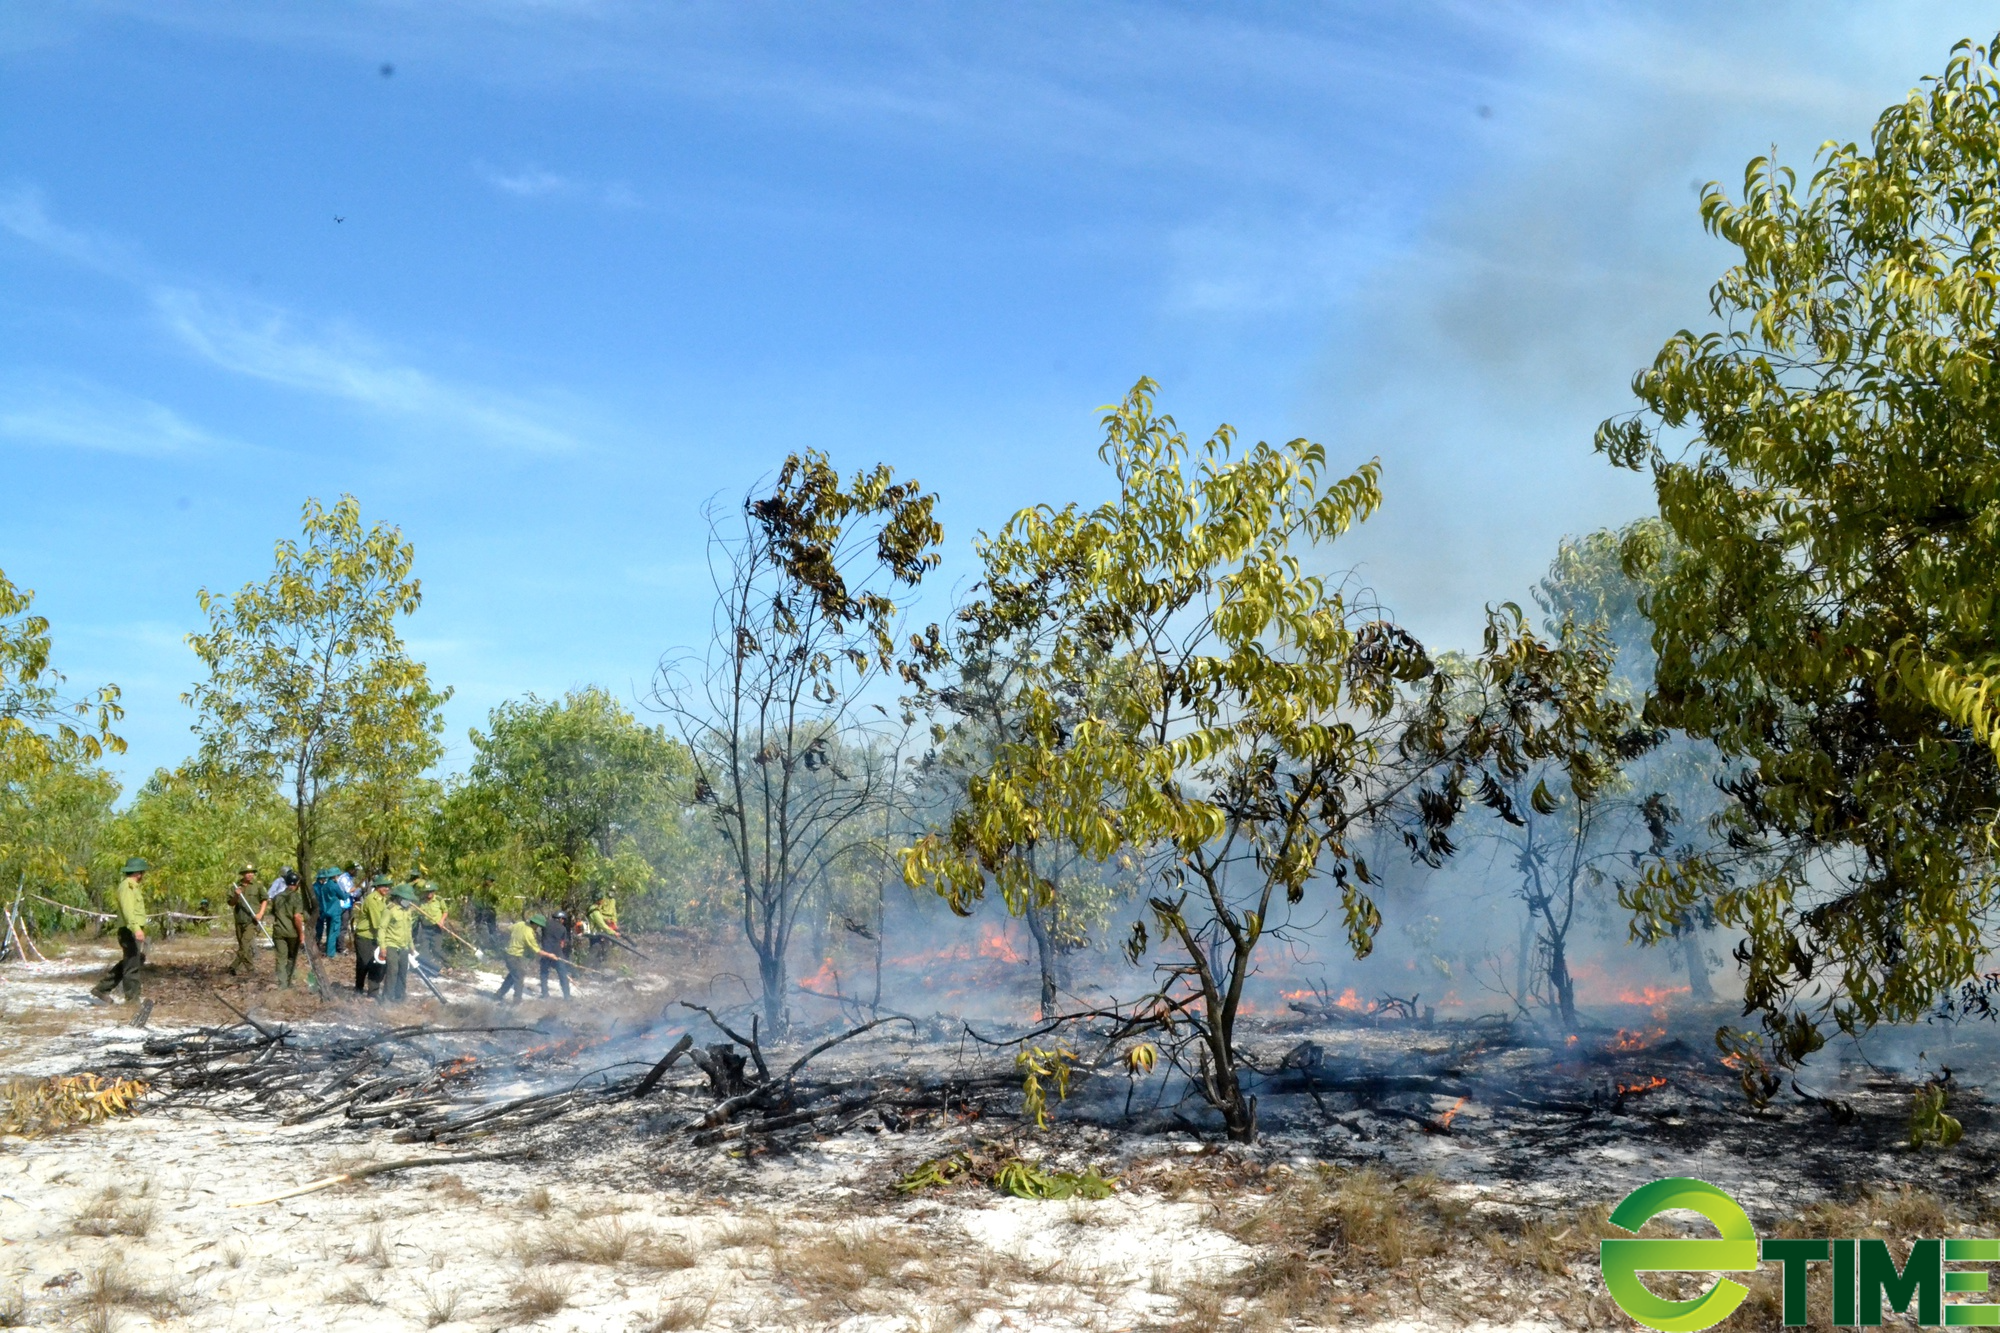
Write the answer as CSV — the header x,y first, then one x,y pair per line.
x,y
1571,1117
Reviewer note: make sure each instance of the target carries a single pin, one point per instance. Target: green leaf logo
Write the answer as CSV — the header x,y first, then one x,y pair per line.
x,y
1624,1260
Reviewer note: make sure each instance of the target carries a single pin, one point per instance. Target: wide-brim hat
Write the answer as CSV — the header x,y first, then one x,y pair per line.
x,y
403,893
138,865
427,888
537,919
381,882
247,868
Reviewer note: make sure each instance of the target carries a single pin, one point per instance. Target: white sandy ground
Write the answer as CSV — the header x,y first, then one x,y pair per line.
x,y
445,1249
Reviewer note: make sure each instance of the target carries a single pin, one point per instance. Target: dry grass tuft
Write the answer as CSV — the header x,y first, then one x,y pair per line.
x,y
676,1315
538,1200
13,1310
662,1254
456,1190
440,1307
539,1295
113,1213
372,1248
108,1288
354,1292
840,1270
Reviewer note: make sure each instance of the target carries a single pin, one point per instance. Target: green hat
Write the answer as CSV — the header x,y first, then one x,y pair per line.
x,y
248,868
381,882
403,893
537,919
427,887
137,866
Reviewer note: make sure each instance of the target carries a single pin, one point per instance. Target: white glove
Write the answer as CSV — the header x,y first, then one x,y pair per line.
x,y
381,955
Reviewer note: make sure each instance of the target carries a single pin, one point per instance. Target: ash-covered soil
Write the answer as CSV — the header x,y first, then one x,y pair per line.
x,y
1409,1175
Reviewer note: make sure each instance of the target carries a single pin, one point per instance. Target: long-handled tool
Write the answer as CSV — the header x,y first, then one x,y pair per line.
x,y
623,943
255,920
476,951
425,978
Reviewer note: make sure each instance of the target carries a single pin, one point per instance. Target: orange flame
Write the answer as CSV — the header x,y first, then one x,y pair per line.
x,y
993,943
1632,1089
1446,1119
826,979
1628,1040
1652,995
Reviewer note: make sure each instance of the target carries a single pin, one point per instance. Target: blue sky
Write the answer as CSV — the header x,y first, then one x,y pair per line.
x,y
599,262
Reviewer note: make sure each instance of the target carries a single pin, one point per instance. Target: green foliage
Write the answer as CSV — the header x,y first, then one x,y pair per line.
x,y
805,623
1043,1068
1930,1123
1826,469
197,825
1191,698
54,809
560,794
935,1174
309,683
1024,1180
37,723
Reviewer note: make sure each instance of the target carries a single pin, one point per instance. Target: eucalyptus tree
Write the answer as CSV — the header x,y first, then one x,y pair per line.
x,y
1827,463
571,781
1198,702
802,663
310,684
38,722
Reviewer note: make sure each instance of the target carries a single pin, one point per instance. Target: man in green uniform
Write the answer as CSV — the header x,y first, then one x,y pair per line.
x,y
431,916
523,943
131,918
370,915
240,895
398,930
288,929
603,922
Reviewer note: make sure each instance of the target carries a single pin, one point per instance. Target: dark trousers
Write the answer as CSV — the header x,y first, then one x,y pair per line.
x,y
287,948
430,946
516,979
246,940
125,973
600,948
396,976
562,974
367,972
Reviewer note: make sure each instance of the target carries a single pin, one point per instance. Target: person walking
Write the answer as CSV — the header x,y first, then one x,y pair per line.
x,y
397,938
289,937
523,942
555,942
245,912
125,974
603,922
431,916
370,914
332,892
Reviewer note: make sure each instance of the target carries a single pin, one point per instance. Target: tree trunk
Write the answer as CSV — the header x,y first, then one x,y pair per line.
x,y
1045,954
771,971
1562,982
1699,989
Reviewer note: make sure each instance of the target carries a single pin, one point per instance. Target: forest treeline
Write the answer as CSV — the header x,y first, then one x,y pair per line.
x,y
1772,709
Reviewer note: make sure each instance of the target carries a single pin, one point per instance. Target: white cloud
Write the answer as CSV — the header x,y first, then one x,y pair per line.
x,y
24,212
266,343
78,414
537,183
528,184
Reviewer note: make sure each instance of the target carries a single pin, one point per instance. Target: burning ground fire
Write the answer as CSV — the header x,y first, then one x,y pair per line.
x,y
677,1112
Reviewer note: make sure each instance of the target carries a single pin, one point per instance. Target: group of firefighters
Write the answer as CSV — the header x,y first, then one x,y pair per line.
x,y
390,927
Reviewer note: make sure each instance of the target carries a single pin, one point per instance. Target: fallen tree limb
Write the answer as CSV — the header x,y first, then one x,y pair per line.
x,y
377,1169
659,1071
